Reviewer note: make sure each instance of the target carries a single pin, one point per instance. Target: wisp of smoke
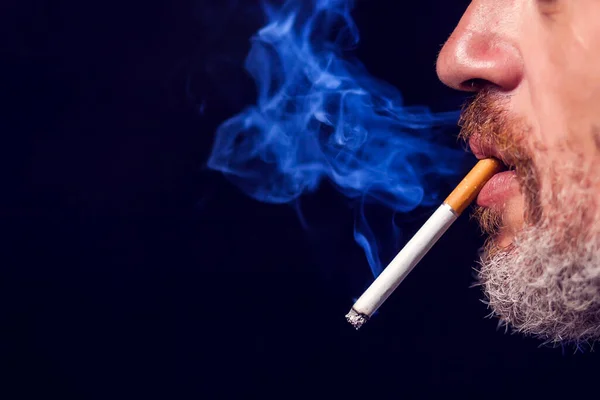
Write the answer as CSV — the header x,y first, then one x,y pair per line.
x,y
321,116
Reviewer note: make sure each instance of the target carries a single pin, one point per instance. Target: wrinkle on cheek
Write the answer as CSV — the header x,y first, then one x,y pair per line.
x,y
596,136
579,38
582,23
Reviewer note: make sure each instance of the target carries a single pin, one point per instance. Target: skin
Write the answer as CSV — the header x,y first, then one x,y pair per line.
x,y
534,66
546,56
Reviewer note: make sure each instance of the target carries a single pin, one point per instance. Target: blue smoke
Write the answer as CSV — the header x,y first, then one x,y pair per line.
x,y
320,115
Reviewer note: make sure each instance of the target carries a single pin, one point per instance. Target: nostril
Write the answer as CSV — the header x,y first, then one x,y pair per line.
x,y
474,85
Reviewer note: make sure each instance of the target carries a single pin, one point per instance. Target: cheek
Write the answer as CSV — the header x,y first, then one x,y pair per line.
x,y
549,101
562,67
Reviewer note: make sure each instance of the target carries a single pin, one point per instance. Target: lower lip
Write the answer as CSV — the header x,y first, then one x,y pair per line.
x,y
498,190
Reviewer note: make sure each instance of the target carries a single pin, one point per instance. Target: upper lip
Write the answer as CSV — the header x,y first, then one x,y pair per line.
x,y
483,149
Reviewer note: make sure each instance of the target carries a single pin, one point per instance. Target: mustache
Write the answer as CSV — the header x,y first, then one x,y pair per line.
x,y
482,115
486,117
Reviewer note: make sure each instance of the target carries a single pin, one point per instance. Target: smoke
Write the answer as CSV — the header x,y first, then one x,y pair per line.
x,y
321,116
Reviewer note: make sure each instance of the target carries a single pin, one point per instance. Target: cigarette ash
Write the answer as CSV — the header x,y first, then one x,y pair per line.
x,y
319,115
356,319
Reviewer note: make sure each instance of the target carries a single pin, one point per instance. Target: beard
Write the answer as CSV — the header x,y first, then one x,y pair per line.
x,y
546,283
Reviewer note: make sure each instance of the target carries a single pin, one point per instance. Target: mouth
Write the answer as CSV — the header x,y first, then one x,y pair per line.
x,y
501,187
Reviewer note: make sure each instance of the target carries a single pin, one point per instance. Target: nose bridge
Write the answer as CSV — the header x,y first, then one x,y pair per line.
x,y
487,16
483,48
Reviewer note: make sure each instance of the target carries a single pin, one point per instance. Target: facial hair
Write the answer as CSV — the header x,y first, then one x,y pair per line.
x,y
546,283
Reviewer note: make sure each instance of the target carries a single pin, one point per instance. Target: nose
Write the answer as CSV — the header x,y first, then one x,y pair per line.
x,y
482,51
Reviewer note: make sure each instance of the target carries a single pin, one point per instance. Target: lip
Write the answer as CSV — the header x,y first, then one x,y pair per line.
x,y
502,186
496,192
483,150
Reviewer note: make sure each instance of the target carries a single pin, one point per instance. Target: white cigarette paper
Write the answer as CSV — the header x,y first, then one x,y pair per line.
x,y
393,275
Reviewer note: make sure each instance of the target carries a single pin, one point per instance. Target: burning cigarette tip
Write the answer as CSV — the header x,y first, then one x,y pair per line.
x,y
356,319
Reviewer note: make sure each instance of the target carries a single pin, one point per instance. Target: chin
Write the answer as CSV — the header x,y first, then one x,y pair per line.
x,y
542,286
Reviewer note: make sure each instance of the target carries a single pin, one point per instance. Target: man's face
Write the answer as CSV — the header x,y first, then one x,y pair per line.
x,y
535,65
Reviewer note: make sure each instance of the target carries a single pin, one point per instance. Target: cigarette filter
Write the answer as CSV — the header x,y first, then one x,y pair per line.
x,y
391,277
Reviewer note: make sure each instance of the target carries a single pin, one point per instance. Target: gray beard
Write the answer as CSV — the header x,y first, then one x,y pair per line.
x,y
547,283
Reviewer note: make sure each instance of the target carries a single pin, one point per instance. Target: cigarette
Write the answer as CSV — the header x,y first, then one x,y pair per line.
x,y
391,277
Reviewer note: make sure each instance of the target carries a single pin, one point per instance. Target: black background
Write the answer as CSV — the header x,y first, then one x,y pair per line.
x,y
132,271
